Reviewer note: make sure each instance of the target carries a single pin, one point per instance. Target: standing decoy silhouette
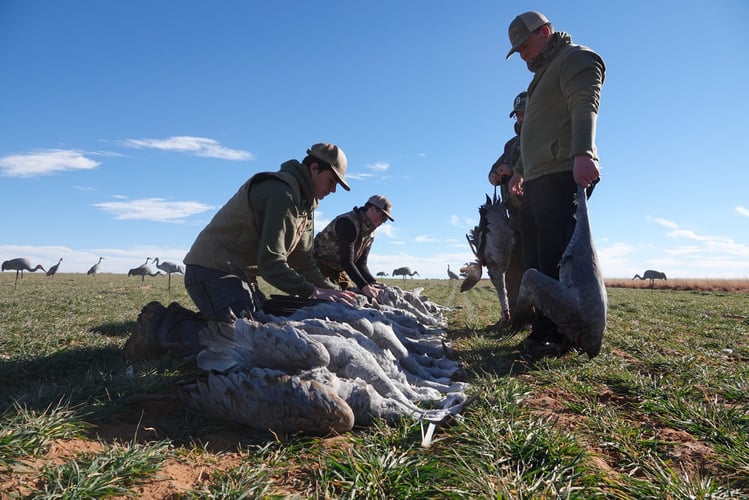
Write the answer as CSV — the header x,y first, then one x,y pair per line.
x,y
19,265
95,268
169,268
53,270
651,275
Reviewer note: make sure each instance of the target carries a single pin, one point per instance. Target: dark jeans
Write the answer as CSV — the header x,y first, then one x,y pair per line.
x,y
221,295
547,221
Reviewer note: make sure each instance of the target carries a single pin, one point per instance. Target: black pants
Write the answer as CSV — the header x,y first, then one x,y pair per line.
x,y
547,221
220,294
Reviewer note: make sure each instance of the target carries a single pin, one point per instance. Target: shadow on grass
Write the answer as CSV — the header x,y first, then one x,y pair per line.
x,y
115,329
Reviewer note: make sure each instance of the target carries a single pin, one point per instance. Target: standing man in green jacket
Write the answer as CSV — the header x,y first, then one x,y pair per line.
x,y
266,229
557,145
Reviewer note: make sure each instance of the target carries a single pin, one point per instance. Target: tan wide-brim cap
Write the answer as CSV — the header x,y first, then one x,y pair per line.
x,y
383,204
333,156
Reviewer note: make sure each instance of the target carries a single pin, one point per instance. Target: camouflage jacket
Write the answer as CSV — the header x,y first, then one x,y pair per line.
x,y
344,245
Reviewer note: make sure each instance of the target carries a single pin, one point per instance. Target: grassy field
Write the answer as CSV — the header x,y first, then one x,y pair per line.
x,y
662,412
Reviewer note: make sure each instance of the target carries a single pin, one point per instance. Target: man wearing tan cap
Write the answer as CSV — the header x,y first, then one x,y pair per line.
x,y
557,145
342,248
266,229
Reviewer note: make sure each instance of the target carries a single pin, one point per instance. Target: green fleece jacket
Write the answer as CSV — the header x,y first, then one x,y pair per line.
x,y
561,110
266,229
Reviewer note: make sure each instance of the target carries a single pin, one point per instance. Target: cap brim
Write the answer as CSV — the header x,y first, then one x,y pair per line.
x,y
343,183
388,216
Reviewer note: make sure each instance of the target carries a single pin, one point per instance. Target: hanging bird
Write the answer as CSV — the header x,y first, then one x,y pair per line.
x,y
577,302
491,242
53,270
95,268
169,268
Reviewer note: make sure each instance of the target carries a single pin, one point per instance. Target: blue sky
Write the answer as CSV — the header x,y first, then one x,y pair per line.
x,y
124,126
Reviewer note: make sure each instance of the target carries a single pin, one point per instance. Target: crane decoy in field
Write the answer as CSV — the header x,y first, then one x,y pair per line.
x,y
169,268
19,265
95,268
143,270
404,271
53,270
650,275
451,274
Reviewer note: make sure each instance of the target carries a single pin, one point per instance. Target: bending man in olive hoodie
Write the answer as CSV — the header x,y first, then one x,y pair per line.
x,y
266,229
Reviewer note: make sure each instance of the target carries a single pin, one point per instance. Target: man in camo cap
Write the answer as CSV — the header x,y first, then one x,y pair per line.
x,y
342,248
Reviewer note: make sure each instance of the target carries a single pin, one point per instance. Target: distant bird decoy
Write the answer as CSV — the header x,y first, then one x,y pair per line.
x,y
382,273
95,268
651,275
451,274
169,268
143,270
404,271
19,265
53,270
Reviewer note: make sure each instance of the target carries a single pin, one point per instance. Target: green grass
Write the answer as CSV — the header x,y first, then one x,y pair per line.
x,y
662,412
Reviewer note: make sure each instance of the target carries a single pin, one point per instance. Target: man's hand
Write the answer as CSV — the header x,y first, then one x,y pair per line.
x,y
516,184
335,296
585,170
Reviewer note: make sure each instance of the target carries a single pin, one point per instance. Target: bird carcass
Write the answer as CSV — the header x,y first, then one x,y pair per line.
x,y
577,303
491,242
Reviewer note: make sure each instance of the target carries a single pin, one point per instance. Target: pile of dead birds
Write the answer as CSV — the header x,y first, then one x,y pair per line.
x,y
329,367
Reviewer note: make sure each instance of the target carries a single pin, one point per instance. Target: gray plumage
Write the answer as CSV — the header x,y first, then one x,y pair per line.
x,y
266,399
143,270
249,344
19,265
337,366
404,271
577,302
53,270
169,268
451,274
491,242
651,275
95,268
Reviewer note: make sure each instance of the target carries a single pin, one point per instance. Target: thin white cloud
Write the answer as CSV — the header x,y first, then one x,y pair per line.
x,y
45,162
153,209
199,146
422,238
379,166
742,211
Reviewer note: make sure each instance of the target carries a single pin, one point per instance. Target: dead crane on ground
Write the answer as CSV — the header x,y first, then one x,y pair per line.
x,y
491,242
577,302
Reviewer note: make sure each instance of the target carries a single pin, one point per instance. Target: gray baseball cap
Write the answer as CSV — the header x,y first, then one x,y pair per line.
x,y
383,204
333,156
521,28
